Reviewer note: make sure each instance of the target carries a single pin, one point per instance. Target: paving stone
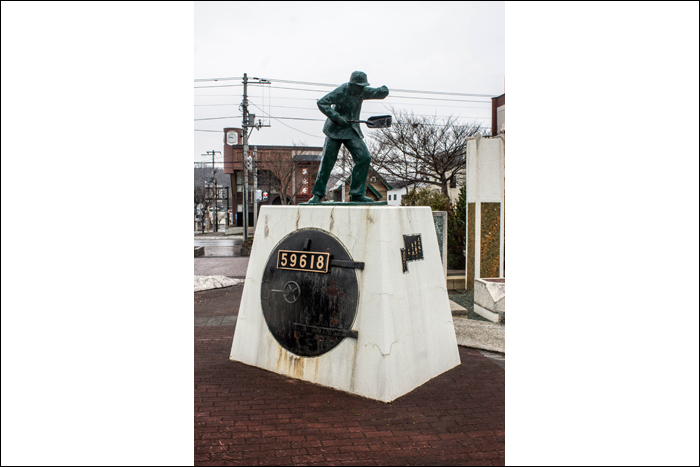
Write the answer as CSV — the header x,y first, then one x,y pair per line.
x,y
265,423
228,321
247,416
215,321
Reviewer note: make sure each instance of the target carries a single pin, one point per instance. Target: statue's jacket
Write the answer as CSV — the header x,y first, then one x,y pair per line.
x,y
341,102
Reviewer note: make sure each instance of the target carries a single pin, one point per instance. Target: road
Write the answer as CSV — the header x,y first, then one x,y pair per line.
x,y
205,242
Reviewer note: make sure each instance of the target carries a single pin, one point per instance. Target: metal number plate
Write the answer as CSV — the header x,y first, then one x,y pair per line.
x,y
303,261
309,313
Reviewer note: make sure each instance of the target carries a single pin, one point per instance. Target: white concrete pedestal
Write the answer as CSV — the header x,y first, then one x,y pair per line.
x,y
405,330
490,298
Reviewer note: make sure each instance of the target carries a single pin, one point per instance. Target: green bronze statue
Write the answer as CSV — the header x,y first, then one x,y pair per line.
x,y
342,107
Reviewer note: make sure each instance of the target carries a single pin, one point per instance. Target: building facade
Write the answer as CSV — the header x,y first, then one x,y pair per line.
x,y
279,175
377,188
498,115
398,191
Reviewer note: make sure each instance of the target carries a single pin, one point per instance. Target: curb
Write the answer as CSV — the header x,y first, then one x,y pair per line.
x,y
480,334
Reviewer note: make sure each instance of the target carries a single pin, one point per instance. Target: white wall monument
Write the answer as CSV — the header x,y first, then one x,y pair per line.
x,y
485,181
373,319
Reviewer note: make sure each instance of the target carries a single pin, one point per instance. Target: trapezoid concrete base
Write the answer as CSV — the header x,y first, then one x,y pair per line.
x,y
405,331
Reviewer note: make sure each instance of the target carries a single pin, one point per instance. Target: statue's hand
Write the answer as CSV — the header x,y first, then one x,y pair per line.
x,y
341,120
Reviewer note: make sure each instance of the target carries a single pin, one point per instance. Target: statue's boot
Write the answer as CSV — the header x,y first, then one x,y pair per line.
x,y
315,199
361,199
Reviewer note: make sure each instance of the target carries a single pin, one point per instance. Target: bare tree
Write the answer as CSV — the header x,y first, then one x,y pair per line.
x,y
343,165
200,197
423,150
281,168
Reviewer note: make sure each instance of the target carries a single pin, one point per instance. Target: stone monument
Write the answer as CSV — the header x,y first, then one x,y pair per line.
x,y
347,295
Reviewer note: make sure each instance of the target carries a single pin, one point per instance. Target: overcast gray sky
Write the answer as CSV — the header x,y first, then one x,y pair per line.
x,y
456,47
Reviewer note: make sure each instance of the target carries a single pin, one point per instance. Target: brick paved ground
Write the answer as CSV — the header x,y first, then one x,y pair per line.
x,y
248,416
232,266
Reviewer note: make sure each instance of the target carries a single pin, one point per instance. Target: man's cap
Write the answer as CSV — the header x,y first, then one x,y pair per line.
x,y
359,78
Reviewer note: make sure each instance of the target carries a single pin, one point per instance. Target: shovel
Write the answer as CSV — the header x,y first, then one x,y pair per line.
x,y
380,121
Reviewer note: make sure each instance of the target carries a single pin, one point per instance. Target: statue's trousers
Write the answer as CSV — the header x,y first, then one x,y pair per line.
x,y
360,156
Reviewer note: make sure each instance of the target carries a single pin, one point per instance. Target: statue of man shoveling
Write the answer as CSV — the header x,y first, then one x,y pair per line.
x,y
342,106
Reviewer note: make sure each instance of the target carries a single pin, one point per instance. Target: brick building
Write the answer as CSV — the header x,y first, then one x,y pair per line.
x,y
376,189
498,114
288,170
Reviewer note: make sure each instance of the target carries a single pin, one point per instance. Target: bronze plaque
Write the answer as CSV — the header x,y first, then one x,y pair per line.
x,y
314,261
413,250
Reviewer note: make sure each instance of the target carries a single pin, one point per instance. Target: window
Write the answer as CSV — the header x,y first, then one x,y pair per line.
x,y
394,197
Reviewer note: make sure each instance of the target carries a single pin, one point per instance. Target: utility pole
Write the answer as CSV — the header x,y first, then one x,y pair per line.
x,y
244,104
216,195
248,122
255,186
228,220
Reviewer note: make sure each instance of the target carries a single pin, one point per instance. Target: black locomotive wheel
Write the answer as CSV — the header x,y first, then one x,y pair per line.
x,y
307,311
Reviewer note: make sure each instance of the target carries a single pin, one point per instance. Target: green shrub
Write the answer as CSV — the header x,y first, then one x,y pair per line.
x,y
456,232
427,197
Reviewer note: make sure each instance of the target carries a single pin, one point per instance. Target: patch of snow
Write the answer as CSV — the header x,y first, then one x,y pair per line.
x,y
214,282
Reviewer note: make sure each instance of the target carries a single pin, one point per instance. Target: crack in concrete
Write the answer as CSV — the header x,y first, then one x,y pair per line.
x,y
380,349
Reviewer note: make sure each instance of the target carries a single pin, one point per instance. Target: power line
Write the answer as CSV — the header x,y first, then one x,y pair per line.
x,y
367,111
336,85
436,99
296,129
215,95
366,103
298,118
444,105
277,97
391,96
221,86
283,118
214,118
214,79
393,89
299,89
323,119
313,99
388,97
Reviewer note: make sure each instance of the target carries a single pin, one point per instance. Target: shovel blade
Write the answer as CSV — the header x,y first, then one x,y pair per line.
x,y
380,121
